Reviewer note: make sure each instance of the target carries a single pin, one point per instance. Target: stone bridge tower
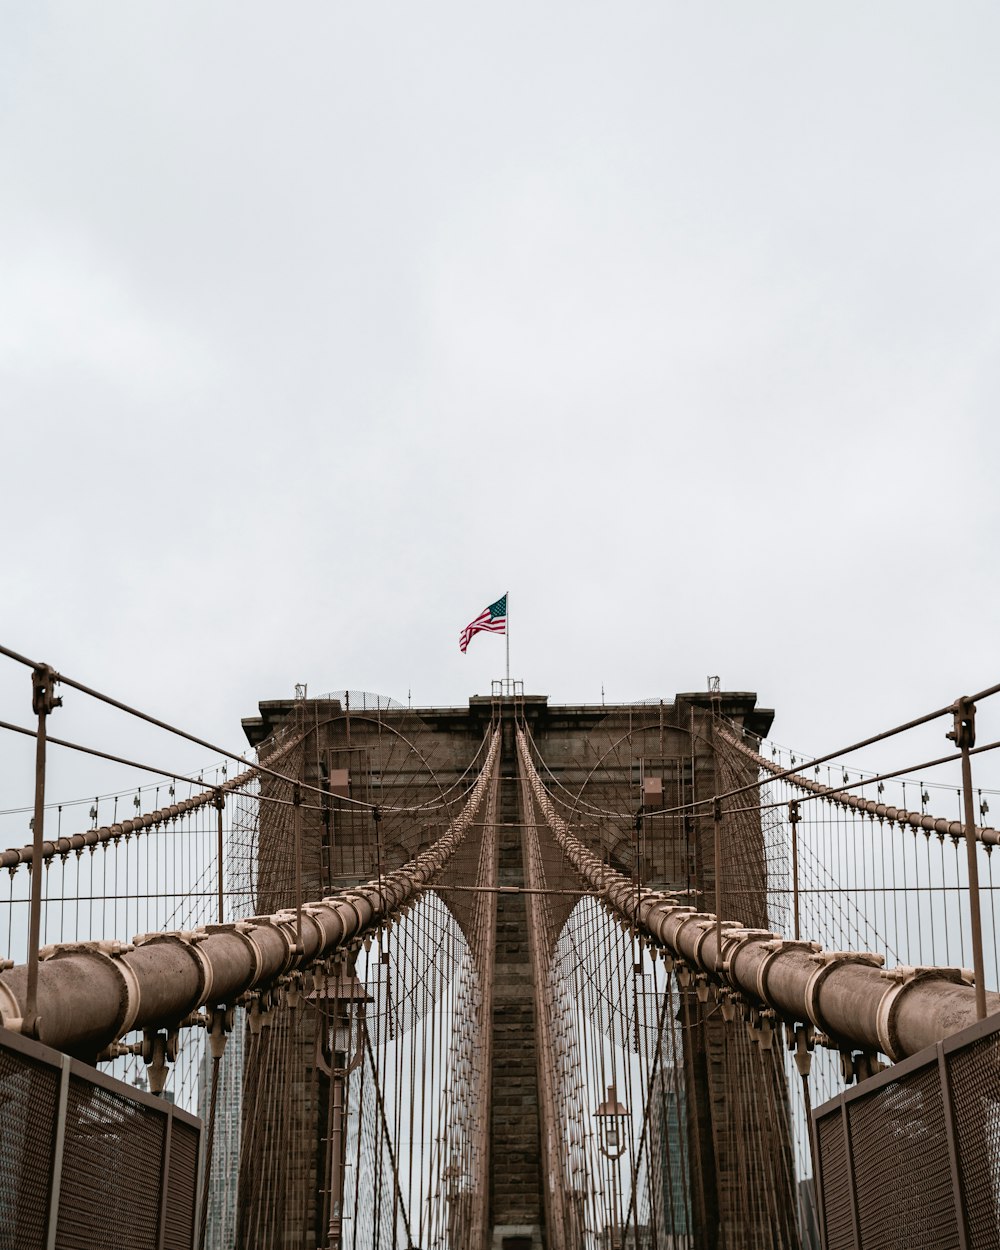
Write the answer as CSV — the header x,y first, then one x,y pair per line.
x,y
617,758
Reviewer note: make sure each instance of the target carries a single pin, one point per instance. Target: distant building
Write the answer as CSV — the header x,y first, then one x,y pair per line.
x,y
671,1188
220,1198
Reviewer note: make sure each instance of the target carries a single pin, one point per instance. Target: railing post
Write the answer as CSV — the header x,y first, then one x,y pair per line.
x,y
43,700
338,1110
954,1149
297,825
62,1104
963,734
793,820
717,823
220,807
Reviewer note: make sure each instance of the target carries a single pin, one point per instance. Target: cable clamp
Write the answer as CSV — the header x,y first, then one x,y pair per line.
x,y
10,1010
109,953
903,978
112,949
780,946
692,917
828,962
848,957
191,941
283,924
346,899
736,939
905,973
708,930
801,1041
191,936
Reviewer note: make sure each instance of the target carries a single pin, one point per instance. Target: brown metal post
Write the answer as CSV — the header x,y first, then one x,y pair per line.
x,y
615,1208
349,1016
963,734
717,823
161,1218
43,680
717,830
954,1150
220,807
793,820
297,821
852,1188
337,1161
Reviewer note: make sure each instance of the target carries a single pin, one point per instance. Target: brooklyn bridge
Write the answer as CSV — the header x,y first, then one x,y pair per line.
x,y
505,975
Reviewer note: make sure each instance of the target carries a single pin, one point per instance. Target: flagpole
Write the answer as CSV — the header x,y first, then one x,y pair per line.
x,y
507,632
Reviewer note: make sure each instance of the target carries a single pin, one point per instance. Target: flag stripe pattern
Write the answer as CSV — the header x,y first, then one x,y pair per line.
x,y
492,620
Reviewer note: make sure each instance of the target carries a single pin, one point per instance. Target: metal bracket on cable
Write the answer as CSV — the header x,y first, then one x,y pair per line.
x,y
158,1050
766,1028
801,1040
759,1026
294,990
259,1005
963,731
219,1025
859,1065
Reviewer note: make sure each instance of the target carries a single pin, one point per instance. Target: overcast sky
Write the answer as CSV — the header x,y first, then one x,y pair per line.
x,y
323,325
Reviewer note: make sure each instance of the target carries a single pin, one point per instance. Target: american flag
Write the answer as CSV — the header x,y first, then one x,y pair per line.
x,y
492,619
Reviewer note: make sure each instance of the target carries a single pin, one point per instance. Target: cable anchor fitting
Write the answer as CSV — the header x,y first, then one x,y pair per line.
x,y
44,679
158,1049
963,732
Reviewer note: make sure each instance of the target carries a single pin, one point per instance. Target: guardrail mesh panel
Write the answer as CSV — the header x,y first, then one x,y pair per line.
x,y
836,1182
112,1170
911,1186
904,1183
28,1104
111,1167
974,1075
182,1187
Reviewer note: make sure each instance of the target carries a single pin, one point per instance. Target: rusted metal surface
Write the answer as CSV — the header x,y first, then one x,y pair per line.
x,y
845,995
91,993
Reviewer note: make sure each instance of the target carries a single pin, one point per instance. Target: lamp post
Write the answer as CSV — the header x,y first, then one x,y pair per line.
x,y
611,1117
339,999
